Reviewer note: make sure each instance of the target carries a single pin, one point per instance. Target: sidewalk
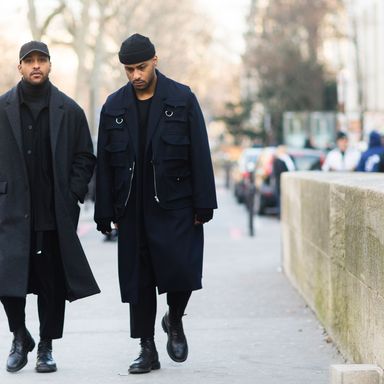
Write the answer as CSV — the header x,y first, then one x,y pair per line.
x,y
247,326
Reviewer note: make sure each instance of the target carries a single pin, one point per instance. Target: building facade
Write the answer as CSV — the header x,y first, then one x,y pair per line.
x,y
361,77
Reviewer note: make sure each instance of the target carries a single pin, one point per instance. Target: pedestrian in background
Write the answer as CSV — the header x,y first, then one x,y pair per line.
x,y
155,180
370,159
281,163
46,162
343,157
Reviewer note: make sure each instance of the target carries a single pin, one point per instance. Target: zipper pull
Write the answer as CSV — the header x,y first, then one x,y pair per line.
x,y
157,199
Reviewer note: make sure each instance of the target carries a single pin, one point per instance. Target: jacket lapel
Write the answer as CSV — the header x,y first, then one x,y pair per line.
x,y
157,107
132,117
56,113
13,112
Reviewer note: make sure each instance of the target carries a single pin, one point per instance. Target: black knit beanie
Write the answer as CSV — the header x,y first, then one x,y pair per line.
x,y
136,49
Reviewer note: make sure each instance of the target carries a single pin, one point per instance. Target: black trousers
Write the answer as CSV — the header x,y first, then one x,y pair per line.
x,y
143,313
46,279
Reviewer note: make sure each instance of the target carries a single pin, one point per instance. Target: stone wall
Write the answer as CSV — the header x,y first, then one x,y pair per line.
x,y
333,252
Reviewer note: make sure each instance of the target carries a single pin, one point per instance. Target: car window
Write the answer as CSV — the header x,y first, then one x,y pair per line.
x,y
306,162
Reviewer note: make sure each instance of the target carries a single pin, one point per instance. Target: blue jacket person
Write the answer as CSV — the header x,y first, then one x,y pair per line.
x,y
155,181
46,162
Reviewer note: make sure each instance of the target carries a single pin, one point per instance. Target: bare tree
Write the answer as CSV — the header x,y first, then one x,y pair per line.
x,y
40,28
94,30
9,73
181,34
285,56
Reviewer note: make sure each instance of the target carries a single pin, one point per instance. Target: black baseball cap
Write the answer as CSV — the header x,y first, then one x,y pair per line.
x,y
340,135
33,46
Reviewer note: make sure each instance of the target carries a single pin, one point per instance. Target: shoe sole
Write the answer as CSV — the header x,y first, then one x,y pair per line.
x,y
25,362
45,369
174,358
154,367
12,370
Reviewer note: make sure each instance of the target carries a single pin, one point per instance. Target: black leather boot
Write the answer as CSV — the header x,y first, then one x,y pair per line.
x,y
148,358
177,346
45,362
22,344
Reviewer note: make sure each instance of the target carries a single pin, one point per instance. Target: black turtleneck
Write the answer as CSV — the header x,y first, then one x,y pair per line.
x,y
36,97
34,115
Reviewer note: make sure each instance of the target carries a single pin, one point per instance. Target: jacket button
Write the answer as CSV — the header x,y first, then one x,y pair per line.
x,y
26,216
177,178
29,152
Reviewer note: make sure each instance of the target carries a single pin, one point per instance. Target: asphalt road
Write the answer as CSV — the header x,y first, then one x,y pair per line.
x,y
248,325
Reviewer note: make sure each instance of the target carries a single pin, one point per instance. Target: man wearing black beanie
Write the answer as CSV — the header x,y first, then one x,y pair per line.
x,y
46,162
155,182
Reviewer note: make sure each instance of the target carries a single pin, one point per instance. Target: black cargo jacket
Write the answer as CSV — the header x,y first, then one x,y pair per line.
x,y
181,162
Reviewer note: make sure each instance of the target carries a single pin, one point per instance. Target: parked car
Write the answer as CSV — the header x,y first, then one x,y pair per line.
x,y
304,159
242,172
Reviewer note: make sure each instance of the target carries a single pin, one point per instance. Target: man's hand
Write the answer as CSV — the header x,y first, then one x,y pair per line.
x,y
203,215
104,226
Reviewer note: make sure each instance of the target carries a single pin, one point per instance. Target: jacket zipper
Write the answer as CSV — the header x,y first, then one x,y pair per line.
x,y
154,182
130,184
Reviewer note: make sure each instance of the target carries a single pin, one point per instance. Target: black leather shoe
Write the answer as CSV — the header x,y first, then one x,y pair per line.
x,y
45,362
22,344
177,346
148,358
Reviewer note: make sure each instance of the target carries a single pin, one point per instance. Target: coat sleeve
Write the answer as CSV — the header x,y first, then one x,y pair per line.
x,y
83,162
203,182
361,164
326,165
104,179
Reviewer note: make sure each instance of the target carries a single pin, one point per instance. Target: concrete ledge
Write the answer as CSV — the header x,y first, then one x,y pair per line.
x,y
333,253
356,374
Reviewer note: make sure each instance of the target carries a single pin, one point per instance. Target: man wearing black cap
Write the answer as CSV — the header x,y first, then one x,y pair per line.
x,y
46,162
155,182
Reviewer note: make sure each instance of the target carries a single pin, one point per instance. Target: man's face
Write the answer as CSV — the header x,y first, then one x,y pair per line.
x,y
342,144
141,75
35,68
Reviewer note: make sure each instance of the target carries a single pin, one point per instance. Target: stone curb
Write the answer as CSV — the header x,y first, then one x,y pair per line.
x,y
356,374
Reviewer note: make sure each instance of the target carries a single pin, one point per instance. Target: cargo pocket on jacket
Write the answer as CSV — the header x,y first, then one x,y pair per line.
x,y
176,147
119,161
116,128
175,112
179,185
118,156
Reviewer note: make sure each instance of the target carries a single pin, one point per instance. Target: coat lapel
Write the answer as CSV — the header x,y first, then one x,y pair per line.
x,y
157,107
132,117
56,113
13,112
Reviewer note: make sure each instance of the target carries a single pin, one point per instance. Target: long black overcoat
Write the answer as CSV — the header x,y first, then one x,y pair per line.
x,y
73,163
177,179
